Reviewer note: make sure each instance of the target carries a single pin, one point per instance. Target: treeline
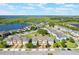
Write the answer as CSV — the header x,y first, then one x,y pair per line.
x,y
70,27
53,19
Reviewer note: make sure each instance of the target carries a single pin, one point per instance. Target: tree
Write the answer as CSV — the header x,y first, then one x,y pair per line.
x,y
63,43
33,28
29,45
51,24
71,40
1,38
37,44
67,39
54,41
55,45
48,45
42,31
3,44
30,40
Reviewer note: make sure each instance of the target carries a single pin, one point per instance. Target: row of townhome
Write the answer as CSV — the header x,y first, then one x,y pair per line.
x,y
17,39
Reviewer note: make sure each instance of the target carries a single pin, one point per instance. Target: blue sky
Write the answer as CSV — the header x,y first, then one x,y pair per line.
x,y
39,9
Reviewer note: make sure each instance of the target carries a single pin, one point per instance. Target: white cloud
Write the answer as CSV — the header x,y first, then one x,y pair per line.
x,y
69,5
28,8
3,4
49,9
64,9
39,8
34,6
41,5
4,12
58,9
11,7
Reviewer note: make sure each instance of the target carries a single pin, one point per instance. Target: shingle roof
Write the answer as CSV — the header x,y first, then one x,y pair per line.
x,y
40,37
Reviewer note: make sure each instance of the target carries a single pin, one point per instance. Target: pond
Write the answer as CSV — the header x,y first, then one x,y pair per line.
x,y
77,25
7,27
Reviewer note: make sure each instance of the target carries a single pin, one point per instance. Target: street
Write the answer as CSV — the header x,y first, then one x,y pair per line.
x,y
57,52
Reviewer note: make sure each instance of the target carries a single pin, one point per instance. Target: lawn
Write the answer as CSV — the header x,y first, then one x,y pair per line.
x,y
71,45
1,38
31,35
52,36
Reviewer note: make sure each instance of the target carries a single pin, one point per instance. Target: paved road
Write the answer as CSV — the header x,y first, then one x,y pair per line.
x,y
58,52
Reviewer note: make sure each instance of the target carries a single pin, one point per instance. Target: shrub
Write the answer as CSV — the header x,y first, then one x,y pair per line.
x,y
42,31
56,45
33,28
71,40
63,43
29,45
3,44
71,45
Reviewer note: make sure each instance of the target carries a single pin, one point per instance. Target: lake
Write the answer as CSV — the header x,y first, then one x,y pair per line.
x,y
77,25
7,27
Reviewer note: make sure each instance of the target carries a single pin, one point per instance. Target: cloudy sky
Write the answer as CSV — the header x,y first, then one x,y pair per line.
x,y
39,9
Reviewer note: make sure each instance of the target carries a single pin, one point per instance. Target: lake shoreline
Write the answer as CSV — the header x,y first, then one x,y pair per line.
x,y
12,27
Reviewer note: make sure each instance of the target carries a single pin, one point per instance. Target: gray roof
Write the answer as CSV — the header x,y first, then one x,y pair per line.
x,y
42,38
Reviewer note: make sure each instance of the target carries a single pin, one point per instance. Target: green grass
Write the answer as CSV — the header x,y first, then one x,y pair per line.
x,y
31,35
52,36
54,19
67,26
71,45
1,38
